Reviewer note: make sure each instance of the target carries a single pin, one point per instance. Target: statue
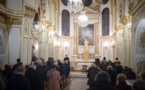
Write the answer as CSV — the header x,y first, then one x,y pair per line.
x,y
86,51
86,44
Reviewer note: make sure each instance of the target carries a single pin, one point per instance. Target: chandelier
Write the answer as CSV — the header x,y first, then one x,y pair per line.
x,y
75,5
82,19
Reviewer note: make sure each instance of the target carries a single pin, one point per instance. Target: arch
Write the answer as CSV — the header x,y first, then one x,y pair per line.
x,y
105,22
2,41
65,23
139,38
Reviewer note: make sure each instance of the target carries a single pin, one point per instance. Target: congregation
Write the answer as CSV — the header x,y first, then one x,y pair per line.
x,y
108,75
102,75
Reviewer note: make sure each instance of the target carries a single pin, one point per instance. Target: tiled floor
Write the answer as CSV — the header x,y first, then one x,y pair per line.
x,y
77,84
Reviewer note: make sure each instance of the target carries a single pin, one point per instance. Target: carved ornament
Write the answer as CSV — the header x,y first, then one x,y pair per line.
x,y
30,12
142,39
130,7
118,27
125,20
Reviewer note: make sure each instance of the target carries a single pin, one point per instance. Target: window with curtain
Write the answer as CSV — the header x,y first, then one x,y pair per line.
x,y
105,22
65,23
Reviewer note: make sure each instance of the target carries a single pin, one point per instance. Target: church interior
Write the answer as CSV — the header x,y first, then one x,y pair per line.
x,y
82,30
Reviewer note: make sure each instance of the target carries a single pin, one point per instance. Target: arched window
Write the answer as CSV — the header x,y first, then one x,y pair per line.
x,y
65,23
105,22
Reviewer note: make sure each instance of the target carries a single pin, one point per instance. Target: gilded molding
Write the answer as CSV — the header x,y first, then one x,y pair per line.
x,y
104,37
137,7
118,27
30,12
125,20
130,7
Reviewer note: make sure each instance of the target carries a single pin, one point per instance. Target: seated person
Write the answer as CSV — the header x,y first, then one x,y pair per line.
x,y
103,82
139,85
122,85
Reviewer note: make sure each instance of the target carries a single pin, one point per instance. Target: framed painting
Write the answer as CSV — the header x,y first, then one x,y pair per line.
x,y
86,33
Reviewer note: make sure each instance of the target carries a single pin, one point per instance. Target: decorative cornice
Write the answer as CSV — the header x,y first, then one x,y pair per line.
x,y
106,37
30,12
125,20
137,7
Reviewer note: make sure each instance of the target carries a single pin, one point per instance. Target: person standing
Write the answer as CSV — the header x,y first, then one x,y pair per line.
x,y
53,79
91,74
18,81
67,59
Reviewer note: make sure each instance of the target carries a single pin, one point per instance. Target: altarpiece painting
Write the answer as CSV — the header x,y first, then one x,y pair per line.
x,y
86,33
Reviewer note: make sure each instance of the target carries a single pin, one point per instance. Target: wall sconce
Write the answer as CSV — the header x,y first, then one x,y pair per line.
x,y
106,44
112,44
121,32
57,45
66,45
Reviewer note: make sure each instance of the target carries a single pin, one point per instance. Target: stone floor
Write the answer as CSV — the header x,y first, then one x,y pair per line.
x,y
77,83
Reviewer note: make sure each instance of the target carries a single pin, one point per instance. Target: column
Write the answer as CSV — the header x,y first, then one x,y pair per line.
x,y
75,38
96,41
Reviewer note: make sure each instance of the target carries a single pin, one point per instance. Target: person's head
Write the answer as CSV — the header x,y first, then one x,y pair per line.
x,y
143,76
33,66
66,62
104,58
109,67
7,66
93,65
121,77
97,60
39,65
55,63
53,66
139,85
20,70
116,58
66,55
102,76
49,59
18,60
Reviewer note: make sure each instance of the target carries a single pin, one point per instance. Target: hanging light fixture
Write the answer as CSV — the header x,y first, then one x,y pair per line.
x,y
75,5
83,19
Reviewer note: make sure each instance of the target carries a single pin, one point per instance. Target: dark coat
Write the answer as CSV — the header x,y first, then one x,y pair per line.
x,y
130,74
123,86
7,73
34,79
16,65
18,82
92,72
41,72
102,86
66,70
113,76
119,69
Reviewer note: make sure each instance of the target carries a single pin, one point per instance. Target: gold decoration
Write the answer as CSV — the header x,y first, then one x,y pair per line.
x,y
118,27
136,8
140,68
142,39
125,20
130,7
96,5
86,52
30,12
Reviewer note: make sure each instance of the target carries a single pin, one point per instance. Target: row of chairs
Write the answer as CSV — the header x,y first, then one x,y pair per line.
x,y
63,82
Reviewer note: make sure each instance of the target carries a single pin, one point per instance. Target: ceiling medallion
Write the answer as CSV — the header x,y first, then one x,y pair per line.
x,y
75,5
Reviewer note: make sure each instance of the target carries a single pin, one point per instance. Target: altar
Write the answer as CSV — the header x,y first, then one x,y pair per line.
x,y
79,63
